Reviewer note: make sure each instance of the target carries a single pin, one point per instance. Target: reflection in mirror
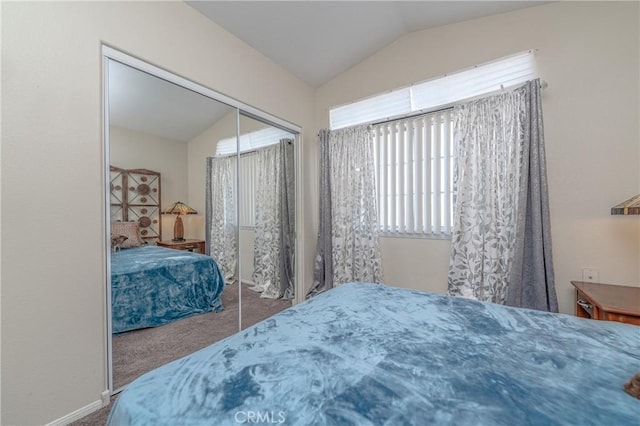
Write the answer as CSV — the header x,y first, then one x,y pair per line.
x,y
266,200
160,136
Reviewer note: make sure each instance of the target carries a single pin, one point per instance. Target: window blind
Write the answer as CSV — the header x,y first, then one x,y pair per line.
x,y
438,92
414,171
251,141
247,195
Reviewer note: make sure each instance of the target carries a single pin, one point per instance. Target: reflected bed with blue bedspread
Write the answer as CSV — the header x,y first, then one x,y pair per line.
x,y
366,354
152,286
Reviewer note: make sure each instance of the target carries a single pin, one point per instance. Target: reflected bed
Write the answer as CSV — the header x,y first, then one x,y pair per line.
x,y
152,286
372,354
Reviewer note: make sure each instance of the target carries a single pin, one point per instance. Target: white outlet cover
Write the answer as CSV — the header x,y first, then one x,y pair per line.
x,y
590,275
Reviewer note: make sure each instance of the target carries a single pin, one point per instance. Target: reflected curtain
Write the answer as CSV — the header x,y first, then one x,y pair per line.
x,y
348,247
274,221
221,216
266,260
287,218
501,245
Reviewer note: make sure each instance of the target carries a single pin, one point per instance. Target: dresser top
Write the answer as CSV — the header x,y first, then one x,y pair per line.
x,y
612,298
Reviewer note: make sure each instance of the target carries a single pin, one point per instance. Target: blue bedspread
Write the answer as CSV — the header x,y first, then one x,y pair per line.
x,y
365,354
153,285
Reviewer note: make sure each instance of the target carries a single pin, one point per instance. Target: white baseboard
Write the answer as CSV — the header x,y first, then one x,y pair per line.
x,y
104,400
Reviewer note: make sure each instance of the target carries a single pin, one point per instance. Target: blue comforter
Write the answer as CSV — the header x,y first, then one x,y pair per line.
x,y
153,285
365,354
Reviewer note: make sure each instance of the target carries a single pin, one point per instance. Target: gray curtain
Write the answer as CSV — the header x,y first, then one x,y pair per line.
x,y
323,265
287,218
532,284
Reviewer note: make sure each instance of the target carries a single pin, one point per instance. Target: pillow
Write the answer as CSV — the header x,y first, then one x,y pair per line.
x,y
129,230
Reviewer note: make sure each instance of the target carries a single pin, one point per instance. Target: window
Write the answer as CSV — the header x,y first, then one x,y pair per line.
x,y
437,92
249,142
414,156
414,173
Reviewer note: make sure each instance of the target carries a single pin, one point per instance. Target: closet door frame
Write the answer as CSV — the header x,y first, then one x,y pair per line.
x,y
110,53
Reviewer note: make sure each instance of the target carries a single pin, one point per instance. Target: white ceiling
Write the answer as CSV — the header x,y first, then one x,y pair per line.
x,y
144,103
318,40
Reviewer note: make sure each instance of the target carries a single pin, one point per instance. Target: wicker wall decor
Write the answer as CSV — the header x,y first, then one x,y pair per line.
x,y
135,196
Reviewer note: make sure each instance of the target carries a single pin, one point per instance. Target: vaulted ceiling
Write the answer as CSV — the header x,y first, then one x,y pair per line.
x,y
317,40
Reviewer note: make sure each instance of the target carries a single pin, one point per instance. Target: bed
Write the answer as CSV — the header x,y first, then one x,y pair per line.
x,y
367,354
152,286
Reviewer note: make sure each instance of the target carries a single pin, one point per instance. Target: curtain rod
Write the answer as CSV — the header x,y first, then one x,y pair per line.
x,y
404,117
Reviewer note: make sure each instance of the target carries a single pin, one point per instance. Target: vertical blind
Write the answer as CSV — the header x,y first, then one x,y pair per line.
x,y
414,173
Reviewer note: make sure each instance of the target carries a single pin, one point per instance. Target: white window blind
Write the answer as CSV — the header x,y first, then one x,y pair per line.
x,y
437,92
392,104
414,173
251,141
247,196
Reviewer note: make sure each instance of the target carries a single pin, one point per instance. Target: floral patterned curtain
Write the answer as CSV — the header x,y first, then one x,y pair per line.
x,y
221,232
266,260
490,241
349,222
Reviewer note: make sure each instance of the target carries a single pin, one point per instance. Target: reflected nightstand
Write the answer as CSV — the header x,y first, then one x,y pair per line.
x,y
196,246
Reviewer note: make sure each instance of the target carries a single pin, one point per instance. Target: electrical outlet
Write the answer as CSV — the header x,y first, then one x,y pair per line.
x,y
590,275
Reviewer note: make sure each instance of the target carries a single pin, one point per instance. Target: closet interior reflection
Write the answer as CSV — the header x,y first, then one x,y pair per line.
x,y
237,172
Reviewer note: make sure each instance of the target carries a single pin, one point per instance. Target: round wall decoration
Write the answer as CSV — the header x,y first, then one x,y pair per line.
x,y
143,189
144,222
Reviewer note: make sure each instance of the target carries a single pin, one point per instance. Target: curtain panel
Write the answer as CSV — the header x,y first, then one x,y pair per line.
x,y
501,244
348,248
221,225
274,221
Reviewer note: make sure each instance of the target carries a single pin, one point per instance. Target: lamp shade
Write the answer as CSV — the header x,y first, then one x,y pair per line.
x,y
631,206
179,208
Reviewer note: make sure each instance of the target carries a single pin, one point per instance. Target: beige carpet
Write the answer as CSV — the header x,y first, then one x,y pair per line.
x,y
140,351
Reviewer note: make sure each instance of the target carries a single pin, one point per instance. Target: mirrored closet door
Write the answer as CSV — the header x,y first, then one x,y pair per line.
x,y
200,215
167,298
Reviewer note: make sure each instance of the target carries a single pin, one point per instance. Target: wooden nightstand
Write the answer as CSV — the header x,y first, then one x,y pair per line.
x,y
608,302
196,246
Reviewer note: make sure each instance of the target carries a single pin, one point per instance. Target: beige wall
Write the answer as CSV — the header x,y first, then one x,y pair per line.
x,y
53,274
129,149
589,55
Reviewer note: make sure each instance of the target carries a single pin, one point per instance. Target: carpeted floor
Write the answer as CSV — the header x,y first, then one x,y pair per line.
x,y
139,351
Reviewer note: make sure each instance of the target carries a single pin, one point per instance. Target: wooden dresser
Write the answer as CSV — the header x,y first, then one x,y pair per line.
x,y
608,302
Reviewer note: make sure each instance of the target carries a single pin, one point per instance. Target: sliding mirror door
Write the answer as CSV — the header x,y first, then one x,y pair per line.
x,y
166,303
266,200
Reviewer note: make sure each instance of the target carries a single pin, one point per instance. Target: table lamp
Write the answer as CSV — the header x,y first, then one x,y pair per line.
x,y
179,208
